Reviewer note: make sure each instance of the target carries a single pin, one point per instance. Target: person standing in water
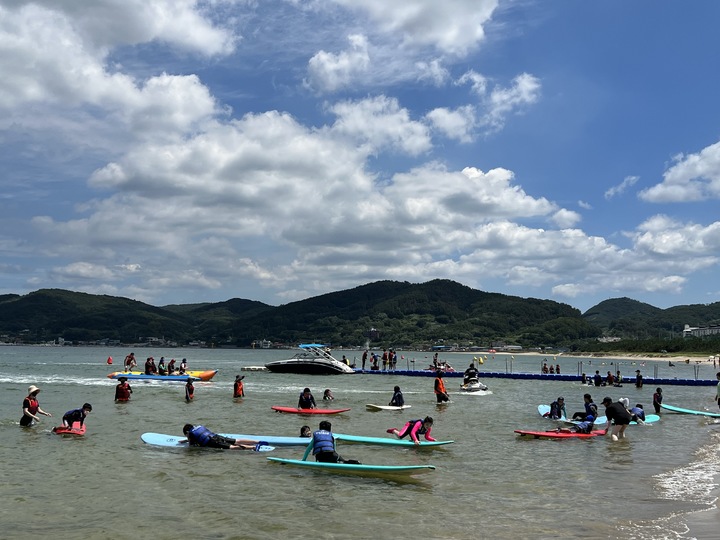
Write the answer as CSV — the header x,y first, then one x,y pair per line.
x,y
238,387
123,390
31,407
440,392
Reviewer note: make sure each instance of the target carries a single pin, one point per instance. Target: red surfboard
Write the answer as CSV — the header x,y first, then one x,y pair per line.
x,y
76,429
295,410
559,435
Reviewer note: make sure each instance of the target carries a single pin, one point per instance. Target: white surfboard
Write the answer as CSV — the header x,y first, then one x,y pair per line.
x,y
371,407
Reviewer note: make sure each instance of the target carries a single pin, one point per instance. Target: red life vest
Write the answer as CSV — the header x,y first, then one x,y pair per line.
x,y
122,392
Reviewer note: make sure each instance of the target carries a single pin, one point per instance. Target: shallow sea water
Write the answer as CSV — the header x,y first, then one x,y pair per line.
x,y
489,484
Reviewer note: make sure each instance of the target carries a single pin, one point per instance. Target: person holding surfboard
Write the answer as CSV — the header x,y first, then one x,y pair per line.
x,y
440,393
657,400
306,401
31,407
619,414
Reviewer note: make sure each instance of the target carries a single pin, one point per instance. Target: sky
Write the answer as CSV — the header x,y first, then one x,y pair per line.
x,y
179,151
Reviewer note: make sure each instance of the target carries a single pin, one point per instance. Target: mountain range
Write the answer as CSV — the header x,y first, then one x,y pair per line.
x,y
384,313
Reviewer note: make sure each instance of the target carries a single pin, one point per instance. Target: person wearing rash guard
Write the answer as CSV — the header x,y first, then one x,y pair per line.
x,y
123,390
440,392
657,400
557,409
31,407
322,446
590,409
306,401
415,428
638,413
202,436
397,400
585,426
619,414
76,415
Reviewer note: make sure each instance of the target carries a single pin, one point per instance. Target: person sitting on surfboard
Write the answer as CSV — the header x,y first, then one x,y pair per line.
x,y
306,401
322,446
557,409
123,390
76,415
415,428
590,409
202,436
397,400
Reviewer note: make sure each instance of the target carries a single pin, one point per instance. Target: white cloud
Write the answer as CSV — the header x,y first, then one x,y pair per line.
x,y
380,121
456,124
693,177
627,182
330,72
501,102
453,26
566,218
585,205
432,71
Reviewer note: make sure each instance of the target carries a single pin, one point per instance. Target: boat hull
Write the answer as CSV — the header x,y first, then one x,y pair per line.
x,y
305,367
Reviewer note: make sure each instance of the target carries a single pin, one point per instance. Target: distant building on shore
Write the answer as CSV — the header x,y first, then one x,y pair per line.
x,y
701,331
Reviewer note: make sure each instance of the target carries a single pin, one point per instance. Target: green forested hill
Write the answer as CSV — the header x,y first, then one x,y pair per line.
x,y
389,313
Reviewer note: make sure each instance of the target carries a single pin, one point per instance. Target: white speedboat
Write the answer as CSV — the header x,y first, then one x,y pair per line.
x,y
313,359
473,385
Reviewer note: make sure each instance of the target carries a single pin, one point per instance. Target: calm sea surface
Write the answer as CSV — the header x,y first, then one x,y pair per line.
x,y
489,484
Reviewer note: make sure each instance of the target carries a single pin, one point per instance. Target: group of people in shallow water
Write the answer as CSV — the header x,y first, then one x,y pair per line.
x,y
31,409
619,414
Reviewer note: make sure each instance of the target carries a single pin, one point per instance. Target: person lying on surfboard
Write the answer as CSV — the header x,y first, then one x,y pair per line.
x,y
586,426
415,428
76,415
202,436
322,446
306,401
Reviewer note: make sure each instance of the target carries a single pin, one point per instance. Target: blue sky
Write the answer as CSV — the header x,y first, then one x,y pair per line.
x,y
174,151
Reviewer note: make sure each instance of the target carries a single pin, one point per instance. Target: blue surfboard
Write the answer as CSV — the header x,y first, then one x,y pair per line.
x,y
304,441
172,441
544,410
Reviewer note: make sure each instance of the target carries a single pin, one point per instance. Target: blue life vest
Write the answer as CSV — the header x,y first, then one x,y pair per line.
x,y
200,435
323,442
637,411
591,408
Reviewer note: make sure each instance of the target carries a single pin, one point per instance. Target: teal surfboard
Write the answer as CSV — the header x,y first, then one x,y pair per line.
x,y
649,419
689,411
386,441
171,441
353,468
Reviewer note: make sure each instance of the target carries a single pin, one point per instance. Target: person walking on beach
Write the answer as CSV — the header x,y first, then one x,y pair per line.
x,y
440,393
619,414
31,407
657,400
